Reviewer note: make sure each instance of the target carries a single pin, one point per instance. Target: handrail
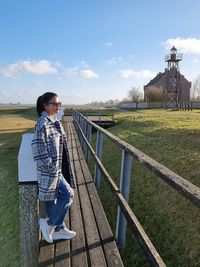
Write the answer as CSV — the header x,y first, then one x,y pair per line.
x,y
186,188
136,227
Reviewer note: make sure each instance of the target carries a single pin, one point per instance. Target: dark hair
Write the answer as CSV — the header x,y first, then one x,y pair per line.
x,y
45,98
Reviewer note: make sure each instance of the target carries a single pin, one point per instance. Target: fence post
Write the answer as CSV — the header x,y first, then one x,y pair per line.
x,y
78,121
85,133
89,137
81,125
79,133
99,119
97,173
28,204
125,176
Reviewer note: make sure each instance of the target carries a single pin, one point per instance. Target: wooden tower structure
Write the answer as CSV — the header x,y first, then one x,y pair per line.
x,y
172,93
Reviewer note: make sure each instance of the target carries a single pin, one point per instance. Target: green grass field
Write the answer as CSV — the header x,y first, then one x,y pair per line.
x,y
171,221
14,122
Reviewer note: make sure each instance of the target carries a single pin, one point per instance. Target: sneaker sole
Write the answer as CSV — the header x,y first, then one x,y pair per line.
x,y
63,237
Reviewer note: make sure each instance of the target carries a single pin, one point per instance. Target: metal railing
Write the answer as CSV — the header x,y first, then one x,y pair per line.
x,y
125,214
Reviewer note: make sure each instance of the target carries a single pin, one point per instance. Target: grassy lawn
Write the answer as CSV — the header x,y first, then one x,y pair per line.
x,y
14,122
171,221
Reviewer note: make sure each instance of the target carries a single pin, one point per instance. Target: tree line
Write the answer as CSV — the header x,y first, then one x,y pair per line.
x,y
155,94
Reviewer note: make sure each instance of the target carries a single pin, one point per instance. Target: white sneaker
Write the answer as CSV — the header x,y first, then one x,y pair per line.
x,y
47,230
63,234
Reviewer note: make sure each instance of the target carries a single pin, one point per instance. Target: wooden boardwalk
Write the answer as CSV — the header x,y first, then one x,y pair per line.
x,y
94,244
102,121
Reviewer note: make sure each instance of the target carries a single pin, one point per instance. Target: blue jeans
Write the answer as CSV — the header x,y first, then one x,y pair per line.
x,y
57,209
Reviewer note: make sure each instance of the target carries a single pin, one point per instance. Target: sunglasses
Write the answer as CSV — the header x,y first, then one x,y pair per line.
x,y
56,104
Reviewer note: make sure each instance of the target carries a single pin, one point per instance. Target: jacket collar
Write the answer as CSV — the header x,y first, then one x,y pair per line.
x,y
51,118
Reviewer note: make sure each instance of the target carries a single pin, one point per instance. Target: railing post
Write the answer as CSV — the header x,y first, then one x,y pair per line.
x,y
28,204
85,133
125,176
89,137
81,138
79,123
99,144
99,119
84,126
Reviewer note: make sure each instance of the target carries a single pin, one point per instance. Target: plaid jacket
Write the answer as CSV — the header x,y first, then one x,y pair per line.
x,y
47,146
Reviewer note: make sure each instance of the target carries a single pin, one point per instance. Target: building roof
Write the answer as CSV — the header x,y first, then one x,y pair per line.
x,y
156,79
159,76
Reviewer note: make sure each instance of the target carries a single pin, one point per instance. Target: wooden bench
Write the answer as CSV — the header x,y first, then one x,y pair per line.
x,y
94,244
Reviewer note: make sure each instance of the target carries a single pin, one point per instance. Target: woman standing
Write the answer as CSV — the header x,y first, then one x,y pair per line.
x,y
54,172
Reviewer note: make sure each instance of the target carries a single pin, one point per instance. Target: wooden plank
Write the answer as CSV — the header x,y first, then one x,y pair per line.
x,y
93,240
111,251
78,248
78,244
110,247
46,254
75,153
76,144
72,143
67,119
62,251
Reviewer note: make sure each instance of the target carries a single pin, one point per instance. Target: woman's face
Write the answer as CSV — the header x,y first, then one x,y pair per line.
x,y
52,106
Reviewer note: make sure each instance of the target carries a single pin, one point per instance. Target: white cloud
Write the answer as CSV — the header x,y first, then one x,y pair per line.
x,y
113,61
108,44
187,46
84,64
27,66
89,74
70,72
78,71
128,73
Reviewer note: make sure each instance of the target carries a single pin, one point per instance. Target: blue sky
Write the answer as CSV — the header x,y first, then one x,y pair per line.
x,y
92,50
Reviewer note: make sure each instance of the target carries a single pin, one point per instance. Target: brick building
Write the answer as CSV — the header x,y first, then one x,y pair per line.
x,y
169,87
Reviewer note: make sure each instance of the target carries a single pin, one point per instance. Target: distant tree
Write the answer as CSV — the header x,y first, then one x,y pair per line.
x,y
125,100
155,94
134,94
116,101
110,102
195,90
